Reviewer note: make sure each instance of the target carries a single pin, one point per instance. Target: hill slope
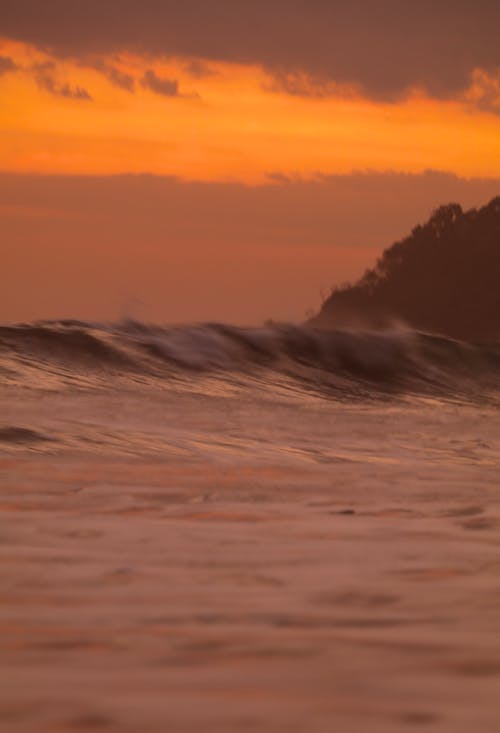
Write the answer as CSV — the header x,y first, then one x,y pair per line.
x,y
444,278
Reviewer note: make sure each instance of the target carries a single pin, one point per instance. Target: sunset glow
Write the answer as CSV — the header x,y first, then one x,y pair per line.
x,y
249,366
226,121
184,156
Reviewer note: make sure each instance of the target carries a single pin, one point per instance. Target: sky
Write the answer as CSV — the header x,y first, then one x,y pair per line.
x,y
231,159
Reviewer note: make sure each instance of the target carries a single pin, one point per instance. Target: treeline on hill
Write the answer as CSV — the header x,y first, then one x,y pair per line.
x,y
443,278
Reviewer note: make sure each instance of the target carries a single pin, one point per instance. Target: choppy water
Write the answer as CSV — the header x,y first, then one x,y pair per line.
x,y
223,529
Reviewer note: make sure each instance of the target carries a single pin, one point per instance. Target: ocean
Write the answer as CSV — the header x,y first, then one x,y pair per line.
x,y
220,528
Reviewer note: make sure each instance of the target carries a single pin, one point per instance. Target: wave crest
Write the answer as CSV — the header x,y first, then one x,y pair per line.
x,y
395,357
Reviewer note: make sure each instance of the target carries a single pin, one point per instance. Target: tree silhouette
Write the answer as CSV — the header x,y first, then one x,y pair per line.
x,y
444,278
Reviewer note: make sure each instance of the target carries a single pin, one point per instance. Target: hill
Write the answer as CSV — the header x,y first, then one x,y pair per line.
x,y
443,278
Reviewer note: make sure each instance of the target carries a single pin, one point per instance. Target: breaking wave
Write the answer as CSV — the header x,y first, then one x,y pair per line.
x,y
14,434
395,359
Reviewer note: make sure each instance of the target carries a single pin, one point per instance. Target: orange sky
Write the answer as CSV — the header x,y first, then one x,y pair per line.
x,y
229,121
257,203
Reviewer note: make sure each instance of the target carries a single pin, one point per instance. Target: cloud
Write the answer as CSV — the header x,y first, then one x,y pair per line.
x,y
198,69
115,76
484,91
159,85
163,86
7,64
44,67
47,82
385,47
299,84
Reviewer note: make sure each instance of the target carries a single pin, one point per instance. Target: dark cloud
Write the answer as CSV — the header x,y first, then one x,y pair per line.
x,y
45,67
303,85
6,64
115,76
485,92
159,85
198,69
48,83
386,46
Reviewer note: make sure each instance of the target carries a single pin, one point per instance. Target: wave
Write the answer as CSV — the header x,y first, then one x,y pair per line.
x,y
395,358
14,434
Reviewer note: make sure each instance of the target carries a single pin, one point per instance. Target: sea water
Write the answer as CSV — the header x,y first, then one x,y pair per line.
x,y
211,527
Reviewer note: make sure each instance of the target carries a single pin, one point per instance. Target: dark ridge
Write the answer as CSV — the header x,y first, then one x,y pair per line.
x,y
443,278
14,434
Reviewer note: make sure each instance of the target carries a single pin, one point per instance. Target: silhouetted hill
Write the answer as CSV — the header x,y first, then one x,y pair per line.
x,y
444,278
